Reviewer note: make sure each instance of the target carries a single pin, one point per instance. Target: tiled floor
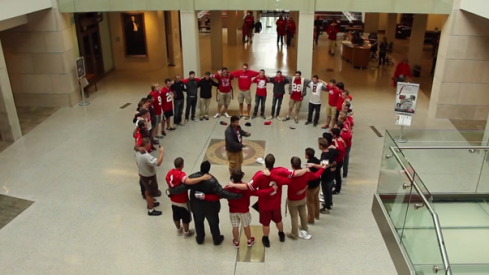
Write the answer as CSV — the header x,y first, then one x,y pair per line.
x,y
88,216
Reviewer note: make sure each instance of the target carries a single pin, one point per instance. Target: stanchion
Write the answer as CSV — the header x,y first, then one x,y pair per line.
x,y
401,139
82,86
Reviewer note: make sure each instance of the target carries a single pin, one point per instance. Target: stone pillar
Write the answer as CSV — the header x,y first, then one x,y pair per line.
x,y
295,16
304,48
216,40
371,23
173,37
160,17
190,43
416,41
461,82
231,28
239,20
390,31
40,58
9,121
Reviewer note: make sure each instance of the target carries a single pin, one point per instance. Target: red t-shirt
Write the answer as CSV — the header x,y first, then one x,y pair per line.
x,y
175,177
262,182
333,94
341,152
249,21
241,205
167,99
261,86
297,90
157,102
299,183
244,78
346,136
224,83
349,119
339,103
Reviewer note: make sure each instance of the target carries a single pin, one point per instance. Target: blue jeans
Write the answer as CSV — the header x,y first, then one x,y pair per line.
x,y
259,99
346,161
276,100
178,110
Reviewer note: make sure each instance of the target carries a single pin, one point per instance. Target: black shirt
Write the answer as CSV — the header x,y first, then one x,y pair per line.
x,y
330,155
178,87
206,87
313,183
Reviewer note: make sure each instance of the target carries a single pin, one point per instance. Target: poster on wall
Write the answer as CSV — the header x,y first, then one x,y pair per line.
x,y
134,34
80,67
406,97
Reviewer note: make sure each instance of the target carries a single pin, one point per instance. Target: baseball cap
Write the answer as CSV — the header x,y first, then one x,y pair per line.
x,y
223,123
267,122
248,124
292,126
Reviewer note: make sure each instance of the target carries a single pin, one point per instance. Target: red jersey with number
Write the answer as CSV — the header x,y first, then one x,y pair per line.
x,y
167,98
262,182
174,178
297,89
261,86
224,83
157,102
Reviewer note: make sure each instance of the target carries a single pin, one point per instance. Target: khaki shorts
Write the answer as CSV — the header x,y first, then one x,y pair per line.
x,y
243,218
235,160
295,104
244,95
223,98
330,111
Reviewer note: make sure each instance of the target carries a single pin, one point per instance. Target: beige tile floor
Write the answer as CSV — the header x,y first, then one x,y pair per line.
x,y
88,217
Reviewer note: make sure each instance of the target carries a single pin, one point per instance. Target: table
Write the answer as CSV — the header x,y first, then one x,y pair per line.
x,y
359,57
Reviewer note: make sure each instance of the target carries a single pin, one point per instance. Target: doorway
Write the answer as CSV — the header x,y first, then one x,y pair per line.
x,y
89,44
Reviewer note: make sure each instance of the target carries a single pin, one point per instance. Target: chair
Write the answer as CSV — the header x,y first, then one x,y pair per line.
x,y
388,59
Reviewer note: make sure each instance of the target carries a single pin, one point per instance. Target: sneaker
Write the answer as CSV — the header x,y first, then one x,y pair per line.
x,y
236,244
160,137
271,117
180,231
266,241
253,117
286,118
307,122
251,241
315,125
264,117
278,118
321,194
201,118
188,234
281,236
219,241
186,121
290,236
247,117
154,213
226,115
155,204
206,117
324,211
296,120
194,119
163,133
216,116
345,175
321,199
325,127
304,235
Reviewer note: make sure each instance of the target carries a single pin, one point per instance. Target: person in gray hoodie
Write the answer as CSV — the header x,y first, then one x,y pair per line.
x,y
279,82
192,85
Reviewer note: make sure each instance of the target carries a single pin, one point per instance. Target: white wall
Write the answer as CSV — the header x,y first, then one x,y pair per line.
x,y
477,7
14,8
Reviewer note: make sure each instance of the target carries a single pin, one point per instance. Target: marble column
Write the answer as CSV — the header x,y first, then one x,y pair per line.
x,y
416,41
231,28
9,121
390,32
305,48
216,40
371,23
190,42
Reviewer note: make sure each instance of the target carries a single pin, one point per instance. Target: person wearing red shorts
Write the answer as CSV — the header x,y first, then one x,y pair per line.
x,y
167,96
269,207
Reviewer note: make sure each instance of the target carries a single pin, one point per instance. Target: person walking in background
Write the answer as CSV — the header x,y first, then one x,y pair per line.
x,y
249,23
205,85
332,32
383,51
147,174
178,87
192,88
281,24
279,82
318,23
261,94
312,192
258,26
234,144
290,30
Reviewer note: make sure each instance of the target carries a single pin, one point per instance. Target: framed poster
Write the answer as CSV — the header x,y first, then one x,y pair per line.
x,y
80,67
406,97
134,34
403,120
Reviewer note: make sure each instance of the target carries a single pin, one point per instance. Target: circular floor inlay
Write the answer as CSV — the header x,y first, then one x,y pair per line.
x,y
216,153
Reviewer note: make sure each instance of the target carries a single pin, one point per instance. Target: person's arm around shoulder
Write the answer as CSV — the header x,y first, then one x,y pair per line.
x,y
223,193
192,181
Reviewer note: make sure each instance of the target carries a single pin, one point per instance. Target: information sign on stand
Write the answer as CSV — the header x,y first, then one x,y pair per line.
x,y
81,73
405,106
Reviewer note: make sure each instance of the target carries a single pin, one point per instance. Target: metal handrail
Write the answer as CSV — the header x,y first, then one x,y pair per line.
x,y
436,220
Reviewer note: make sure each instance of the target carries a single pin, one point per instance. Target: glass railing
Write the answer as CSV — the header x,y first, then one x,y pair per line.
x,y
435,190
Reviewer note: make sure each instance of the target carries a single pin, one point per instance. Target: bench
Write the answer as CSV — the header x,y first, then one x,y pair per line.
x,y
91,82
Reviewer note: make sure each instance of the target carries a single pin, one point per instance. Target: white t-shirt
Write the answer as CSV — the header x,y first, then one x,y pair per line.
x,y
316,91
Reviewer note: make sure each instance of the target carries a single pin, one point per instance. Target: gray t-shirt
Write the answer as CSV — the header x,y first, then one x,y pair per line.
x,y
146,164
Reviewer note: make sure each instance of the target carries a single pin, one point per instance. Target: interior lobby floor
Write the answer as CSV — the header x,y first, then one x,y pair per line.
x,y
88,216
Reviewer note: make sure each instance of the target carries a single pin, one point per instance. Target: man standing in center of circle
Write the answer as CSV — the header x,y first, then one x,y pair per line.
x,y
244,77
234,144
